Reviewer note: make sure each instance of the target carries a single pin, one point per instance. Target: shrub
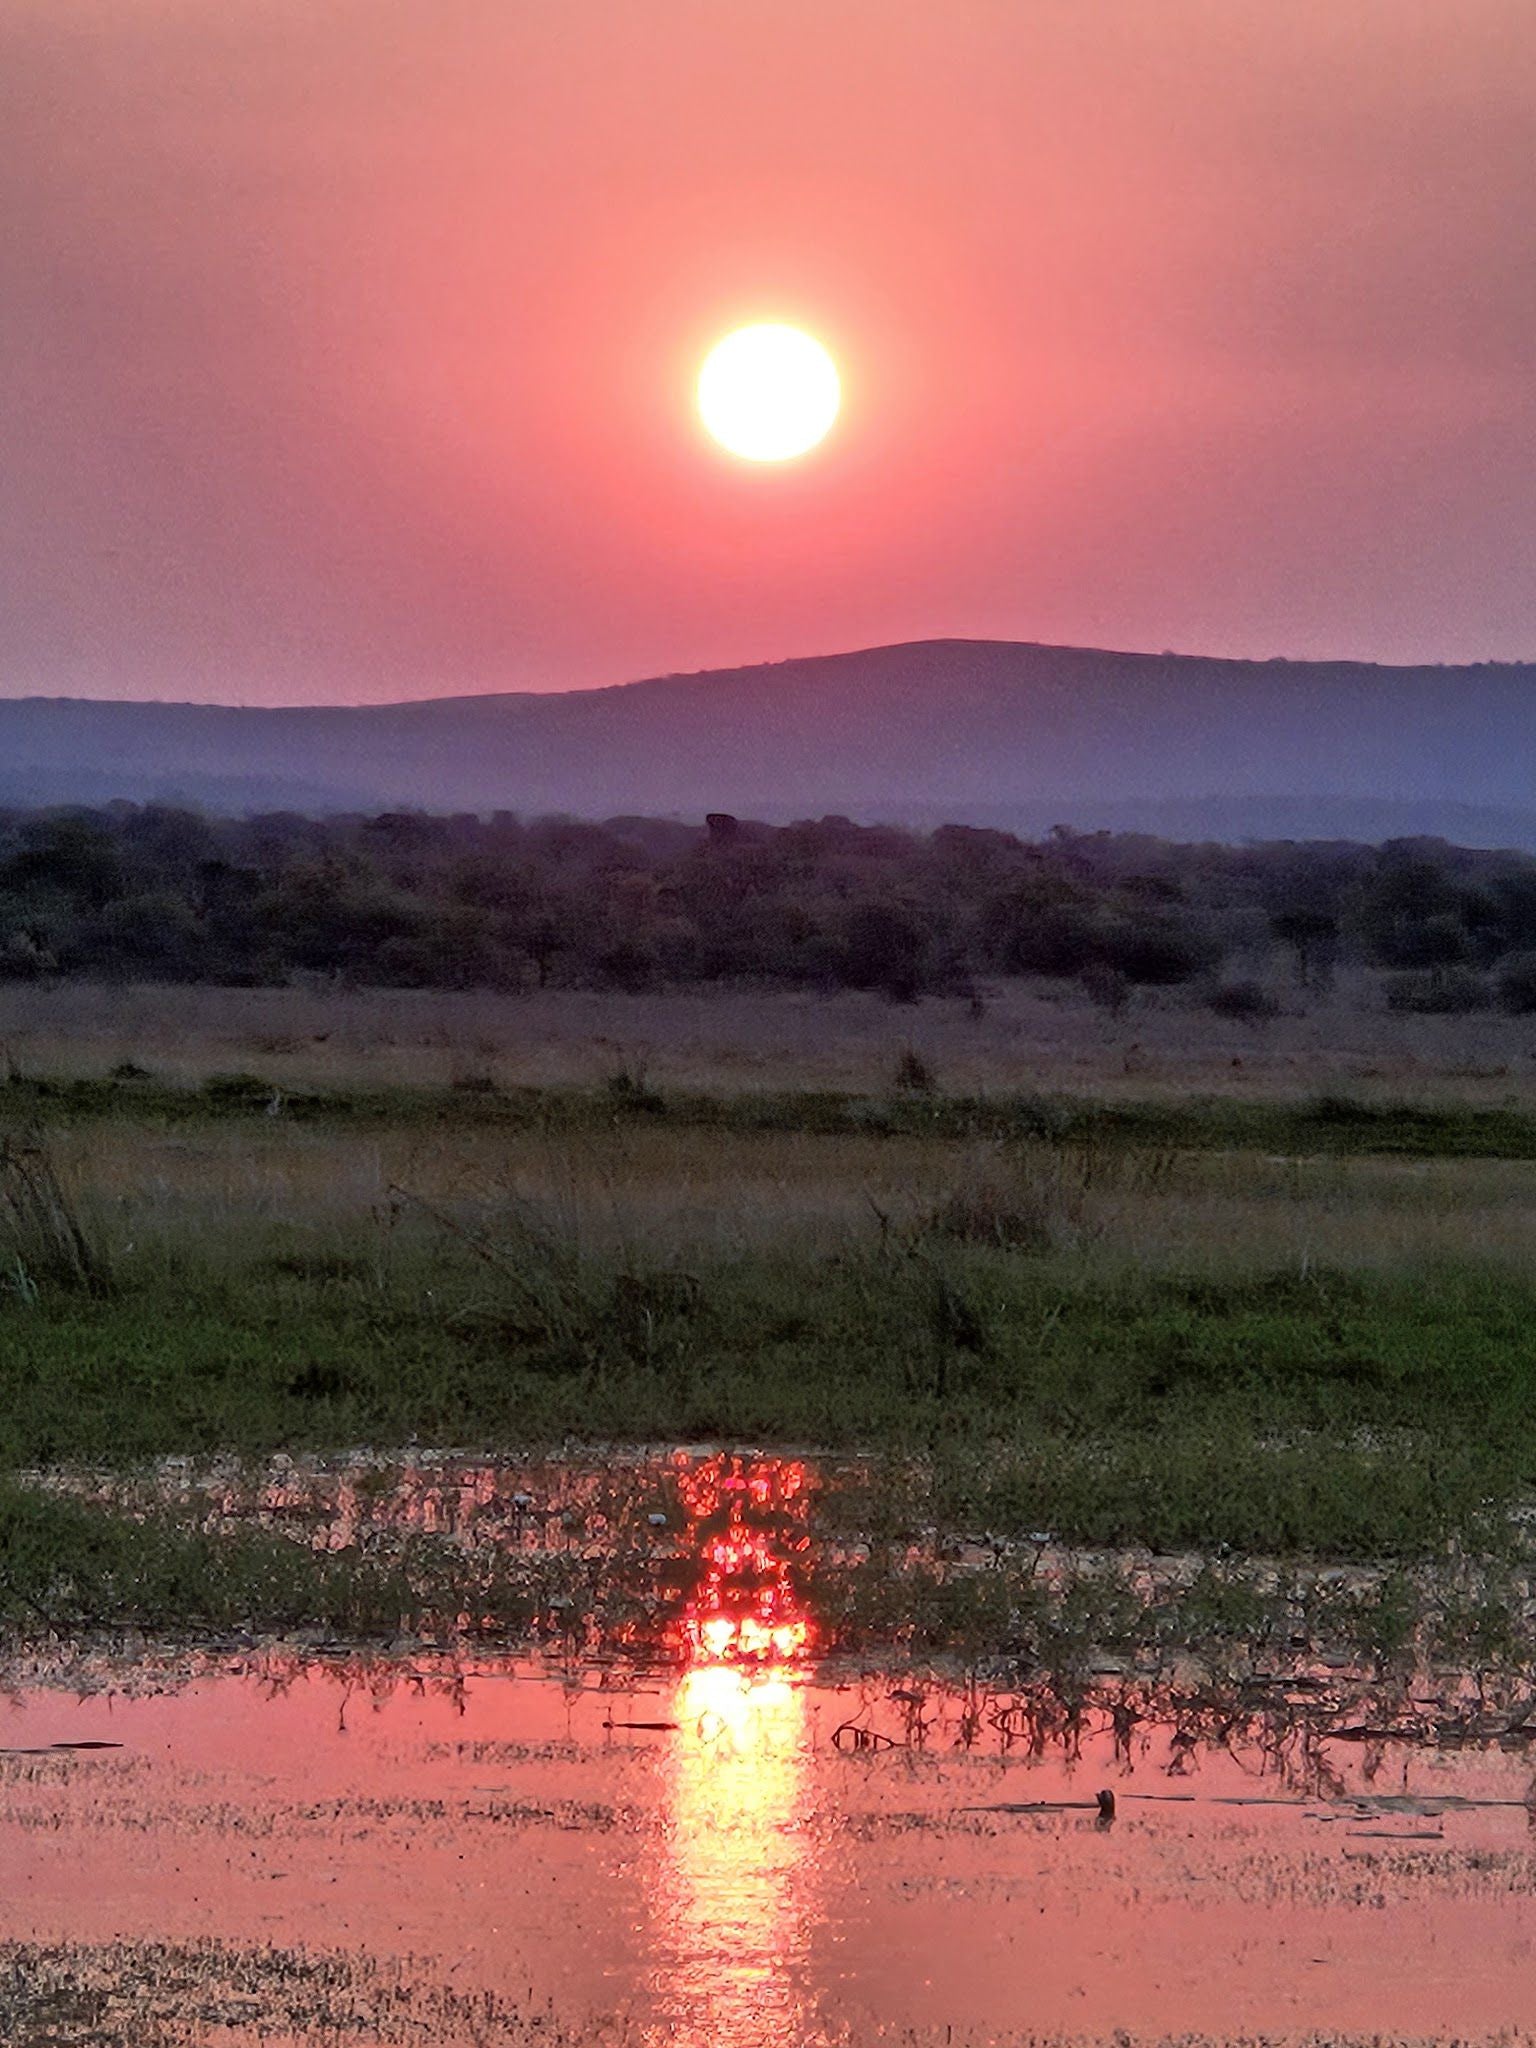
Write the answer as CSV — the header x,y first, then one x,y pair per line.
x,y
1105,987
1246,1002
1517,984
238,1091
1439,992
913,1074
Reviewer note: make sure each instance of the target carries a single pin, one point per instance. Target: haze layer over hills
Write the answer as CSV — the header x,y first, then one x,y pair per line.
x,y
989,732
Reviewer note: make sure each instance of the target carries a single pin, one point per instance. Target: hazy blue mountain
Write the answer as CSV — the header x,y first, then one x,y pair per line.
x,y
994,732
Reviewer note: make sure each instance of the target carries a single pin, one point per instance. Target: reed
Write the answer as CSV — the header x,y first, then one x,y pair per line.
x,y
42,1241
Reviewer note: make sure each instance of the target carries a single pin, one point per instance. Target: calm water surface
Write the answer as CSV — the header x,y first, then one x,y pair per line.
x,y
750,1846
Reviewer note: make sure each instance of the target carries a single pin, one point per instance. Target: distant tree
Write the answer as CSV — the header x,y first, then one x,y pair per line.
x,y
885,946
1044,925
1434,942
70,857
1514,891
1313,937
1442,992
626,964
548,938
1157,952
155,936
409,899
1517,984
23,957
1105,987
1406,894
1246,1002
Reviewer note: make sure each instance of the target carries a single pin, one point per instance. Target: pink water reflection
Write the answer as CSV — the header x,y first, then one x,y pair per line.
x,y
738,1878
732,1881
743,1847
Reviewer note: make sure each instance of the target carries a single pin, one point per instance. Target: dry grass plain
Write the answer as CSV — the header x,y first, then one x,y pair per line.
x,y
1030,1037
655,1193
648,1196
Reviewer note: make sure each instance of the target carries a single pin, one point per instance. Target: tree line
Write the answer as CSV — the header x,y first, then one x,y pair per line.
x,y
409,900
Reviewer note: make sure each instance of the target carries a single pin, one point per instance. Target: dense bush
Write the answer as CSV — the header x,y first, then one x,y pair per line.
x,y
1440,992
1517,985
408,900
1246,1002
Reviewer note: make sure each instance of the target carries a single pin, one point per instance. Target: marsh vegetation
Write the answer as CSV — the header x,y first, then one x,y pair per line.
x,y
1287,1328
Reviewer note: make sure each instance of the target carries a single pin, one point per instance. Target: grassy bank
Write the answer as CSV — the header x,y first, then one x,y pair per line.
x,y
1355,1414
217,1561
1119,1332
1333,1124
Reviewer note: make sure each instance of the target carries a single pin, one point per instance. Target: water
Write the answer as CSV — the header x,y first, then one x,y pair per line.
x,y
699,1857
733,1840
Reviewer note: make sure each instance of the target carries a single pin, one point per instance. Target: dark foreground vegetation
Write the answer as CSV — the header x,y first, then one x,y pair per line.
x,y
409,900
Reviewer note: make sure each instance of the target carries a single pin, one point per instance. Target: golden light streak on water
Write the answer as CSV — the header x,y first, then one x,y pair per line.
x,y
732,1896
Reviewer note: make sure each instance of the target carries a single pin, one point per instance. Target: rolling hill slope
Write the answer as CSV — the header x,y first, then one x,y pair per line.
x,y
993,732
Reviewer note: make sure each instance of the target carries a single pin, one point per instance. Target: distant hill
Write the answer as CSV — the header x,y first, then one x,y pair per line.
x,y
990,732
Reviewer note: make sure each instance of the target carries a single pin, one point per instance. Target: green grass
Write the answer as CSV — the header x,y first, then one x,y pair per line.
x,y
1108,1332
68,1566
73,1568
1332,1125
1357,1415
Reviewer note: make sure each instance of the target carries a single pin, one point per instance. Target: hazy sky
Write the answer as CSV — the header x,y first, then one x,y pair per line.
x,y
347,346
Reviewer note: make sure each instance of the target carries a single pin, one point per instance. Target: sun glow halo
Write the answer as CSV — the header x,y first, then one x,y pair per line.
x,y
768,392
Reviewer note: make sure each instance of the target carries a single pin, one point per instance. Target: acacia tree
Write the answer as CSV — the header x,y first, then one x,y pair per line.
x,y
1313,937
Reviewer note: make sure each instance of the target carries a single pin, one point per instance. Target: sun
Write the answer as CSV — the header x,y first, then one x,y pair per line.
x,y
768,392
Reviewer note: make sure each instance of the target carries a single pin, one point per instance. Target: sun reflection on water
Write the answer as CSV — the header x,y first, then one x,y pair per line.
x,y
732,1898
748,1535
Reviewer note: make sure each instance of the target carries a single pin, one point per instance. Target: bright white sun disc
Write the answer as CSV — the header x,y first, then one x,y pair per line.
x,y
768,392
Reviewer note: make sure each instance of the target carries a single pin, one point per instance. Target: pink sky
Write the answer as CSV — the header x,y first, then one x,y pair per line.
x,y
347,346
